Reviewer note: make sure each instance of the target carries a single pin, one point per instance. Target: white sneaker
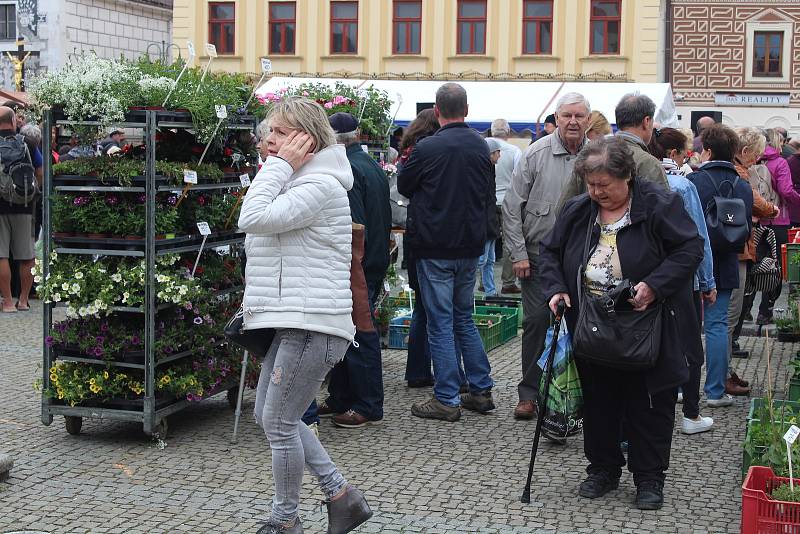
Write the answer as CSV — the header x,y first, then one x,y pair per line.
x,y
726,400
695,426
680,397
314,427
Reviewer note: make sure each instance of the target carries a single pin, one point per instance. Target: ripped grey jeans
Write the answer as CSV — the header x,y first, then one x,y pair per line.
x,y
291,376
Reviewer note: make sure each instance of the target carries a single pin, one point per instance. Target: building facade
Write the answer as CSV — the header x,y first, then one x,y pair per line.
x,y
55,30
505,39
740,59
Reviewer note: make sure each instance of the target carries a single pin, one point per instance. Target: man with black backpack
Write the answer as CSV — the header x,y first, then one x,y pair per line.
x,y
20,182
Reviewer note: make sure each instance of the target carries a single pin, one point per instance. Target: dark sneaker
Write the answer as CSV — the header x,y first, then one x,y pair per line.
x,y
650,495
511,290
763,319
464,388
324,410
353,419
478,402
348,511
273,527
423,383
433,409
597,484
526,409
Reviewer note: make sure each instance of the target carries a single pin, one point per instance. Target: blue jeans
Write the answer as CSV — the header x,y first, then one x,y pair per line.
x,y
311,416
486,265
418,363
715,323
446,288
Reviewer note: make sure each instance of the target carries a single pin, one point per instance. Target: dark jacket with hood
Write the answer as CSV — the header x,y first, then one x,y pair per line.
x,y
447,179
661,247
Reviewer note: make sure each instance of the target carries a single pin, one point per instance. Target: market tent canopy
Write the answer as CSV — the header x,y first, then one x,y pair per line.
x,y
519,102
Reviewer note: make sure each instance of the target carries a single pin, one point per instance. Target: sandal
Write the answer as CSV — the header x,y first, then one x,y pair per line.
x,y
22,308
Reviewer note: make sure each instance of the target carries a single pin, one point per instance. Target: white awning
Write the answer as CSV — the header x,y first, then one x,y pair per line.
x,y
521,103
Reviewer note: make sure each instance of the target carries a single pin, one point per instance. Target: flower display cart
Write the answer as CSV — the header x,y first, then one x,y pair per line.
x,y
147,297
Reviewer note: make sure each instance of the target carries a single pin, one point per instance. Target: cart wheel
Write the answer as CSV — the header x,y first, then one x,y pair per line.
x,y
73,424
160,430
233,397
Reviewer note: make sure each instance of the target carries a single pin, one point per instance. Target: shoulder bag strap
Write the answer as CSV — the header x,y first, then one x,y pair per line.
x,y
585,259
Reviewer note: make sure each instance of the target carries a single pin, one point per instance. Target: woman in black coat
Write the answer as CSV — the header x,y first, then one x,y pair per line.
x,y
640,233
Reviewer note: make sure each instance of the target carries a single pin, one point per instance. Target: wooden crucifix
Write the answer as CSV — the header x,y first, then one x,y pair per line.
x,y
18,59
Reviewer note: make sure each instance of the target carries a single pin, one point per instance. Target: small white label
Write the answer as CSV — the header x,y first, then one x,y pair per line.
x,y
211,50
365,148
204,228
407,288
189,177
222,111
245,179
791,434
266,65
386,285
190,46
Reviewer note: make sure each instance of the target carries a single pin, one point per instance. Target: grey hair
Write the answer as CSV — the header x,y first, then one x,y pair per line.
x,y
632,109
451,100
573,98
301,113
347,138
751,138
262,130
606,154
500,128
32,134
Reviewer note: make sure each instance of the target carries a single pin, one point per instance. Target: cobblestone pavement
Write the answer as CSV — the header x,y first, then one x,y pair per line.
x,y
419,476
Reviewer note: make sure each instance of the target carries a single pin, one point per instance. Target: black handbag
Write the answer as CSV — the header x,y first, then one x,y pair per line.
x,y
256,341
609,332
765,273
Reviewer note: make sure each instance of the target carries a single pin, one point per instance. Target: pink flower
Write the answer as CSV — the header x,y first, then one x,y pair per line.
x,y
305,93
339,100
328,105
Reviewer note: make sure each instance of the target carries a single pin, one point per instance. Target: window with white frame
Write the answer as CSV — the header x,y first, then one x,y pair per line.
x,y
8,22
768,52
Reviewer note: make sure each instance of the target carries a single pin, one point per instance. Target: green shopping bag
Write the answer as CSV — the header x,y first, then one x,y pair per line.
x,y
563,411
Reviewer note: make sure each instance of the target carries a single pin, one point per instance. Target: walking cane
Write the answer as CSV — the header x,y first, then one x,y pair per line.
x,y
548,371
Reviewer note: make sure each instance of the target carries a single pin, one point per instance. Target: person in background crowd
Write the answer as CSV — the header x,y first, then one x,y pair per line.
x,y
794,168
394,140
688,166
447,179
487,259
114,139
598,126
529,212
504,169
418,364
297,220
720,146
751,147
548,127
701,124
17,229
356,384
789,199
639,232
670,145
786,149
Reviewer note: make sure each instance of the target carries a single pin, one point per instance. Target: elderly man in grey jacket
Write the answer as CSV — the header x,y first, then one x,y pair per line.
x,y
529,212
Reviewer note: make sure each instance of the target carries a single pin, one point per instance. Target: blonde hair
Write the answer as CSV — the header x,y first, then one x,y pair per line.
x,y
598,123
751,138
774,138
689,138
301,113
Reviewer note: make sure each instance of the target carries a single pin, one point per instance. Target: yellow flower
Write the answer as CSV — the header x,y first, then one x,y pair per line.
x,y
54,369
93,388
60,393
166,379
92,381
105,374
54,377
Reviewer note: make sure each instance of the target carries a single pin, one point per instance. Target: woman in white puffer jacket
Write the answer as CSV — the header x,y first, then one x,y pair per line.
x,y
297,219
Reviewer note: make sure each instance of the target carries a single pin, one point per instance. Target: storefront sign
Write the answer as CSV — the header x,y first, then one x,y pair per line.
x,y
752,99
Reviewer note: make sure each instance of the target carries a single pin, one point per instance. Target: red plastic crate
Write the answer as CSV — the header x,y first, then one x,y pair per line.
x,y
760,515
794,235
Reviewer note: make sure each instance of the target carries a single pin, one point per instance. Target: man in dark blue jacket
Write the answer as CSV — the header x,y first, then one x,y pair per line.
x,y
447,179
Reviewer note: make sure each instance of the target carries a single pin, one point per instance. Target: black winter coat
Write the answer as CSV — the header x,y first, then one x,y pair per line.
x,y
447,179
660,247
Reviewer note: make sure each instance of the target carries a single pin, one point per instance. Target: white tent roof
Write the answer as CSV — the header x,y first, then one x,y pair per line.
x,y
519,102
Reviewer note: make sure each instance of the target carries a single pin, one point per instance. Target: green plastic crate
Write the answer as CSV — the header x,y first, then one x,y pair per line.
x,y
757,402
510,319
794,390
792,269
503,302
491,335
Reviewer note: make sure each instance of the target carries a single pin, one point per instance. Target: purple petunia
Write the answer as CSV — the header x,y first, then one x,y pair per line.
x,y
198,320
49,341
99,339
190,397
135,340
98,351
104,327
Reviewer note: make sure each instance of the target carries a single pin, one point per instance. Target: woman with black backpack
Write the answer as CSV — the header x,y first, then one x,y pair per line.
x,y
729,204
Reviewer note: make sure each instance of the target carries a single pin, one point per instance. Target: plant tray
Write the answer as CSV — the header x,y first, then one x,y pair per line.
x,y
510,319
504,302
762,515
757,402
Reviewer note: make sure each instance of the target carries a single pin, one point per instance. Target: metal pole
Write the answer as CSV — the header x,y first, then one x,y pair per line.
x,y
239,396
150,276
47,309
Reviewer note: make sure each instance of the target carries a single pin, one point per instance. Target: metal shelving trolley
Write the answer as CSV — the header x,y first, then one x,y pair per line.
x,y
141,380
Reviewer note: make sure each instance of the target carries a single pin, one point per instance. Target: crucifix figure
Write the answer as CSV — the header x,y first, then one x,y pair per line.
x,y
18,60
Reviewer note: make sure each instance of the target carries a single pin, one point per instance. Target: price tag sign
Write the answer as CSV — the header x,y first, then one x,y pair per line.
x,y
245,179
266,65
190,46
407,288
365,148
222,111
791,434
204,228
211,50
386,286
189,177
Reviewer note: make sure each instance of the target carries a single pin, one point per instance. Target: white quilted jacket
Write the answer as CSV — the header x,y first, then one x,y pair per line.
x,y
298,245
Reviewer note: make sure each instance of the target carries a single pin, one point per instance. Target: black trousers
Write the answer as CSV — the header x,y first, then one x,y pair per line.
x,y
696,358
612,396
